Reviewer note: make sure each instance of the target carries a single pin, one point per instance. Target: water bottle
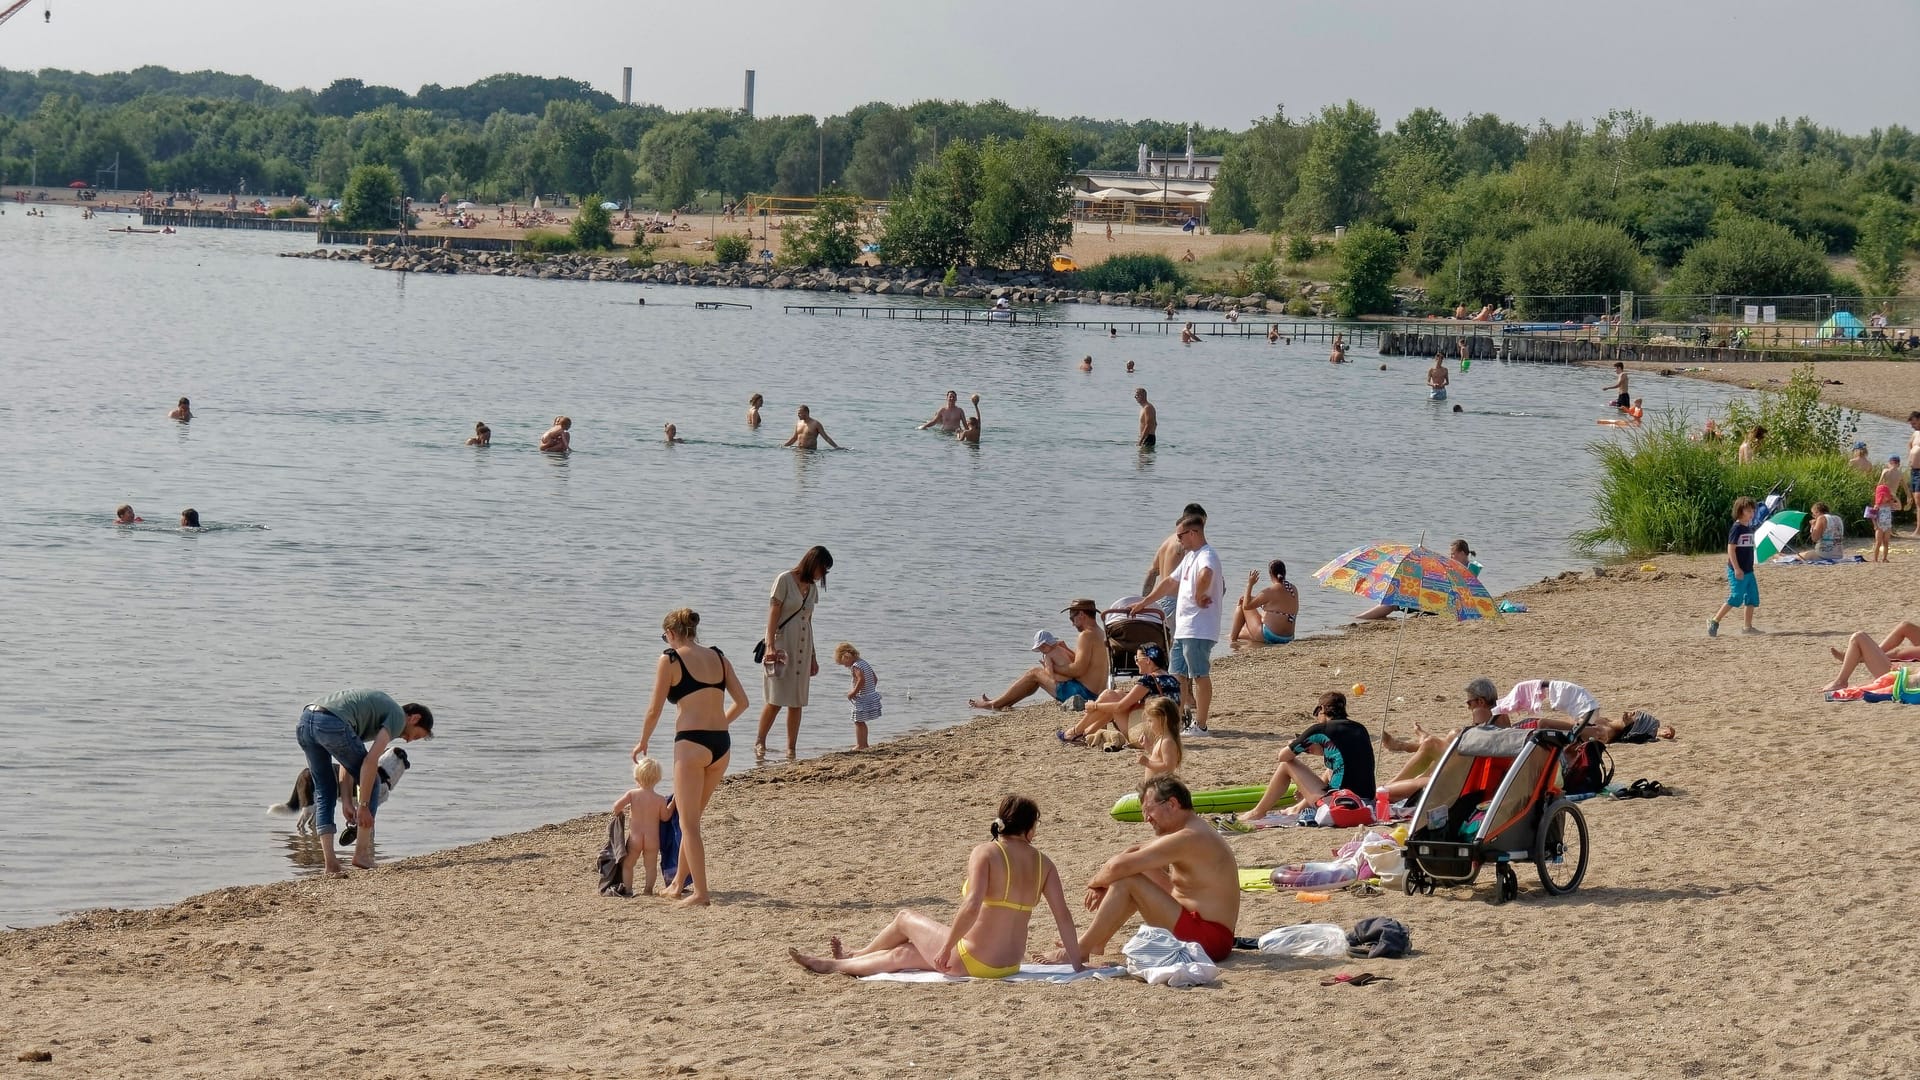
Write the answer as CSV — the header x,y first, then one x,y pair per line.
x,y
1382,806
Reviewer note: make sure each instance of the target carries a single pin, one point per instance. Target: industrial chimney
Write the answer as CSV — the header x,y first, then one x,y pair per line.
x,y
626,86
748,106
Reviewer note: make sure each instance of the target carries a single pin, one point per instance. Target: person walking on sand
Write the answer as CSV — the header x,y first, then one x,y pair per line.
x,y
558,439
182,412
1149,420
1742,590
337,727
807,432
700,682
789,658
949,417
1437,378
1006,880
1185,879
1200,589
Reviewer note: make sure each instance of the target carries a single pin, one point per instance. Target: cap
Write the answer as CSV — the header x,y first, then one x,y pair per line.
x,y
1042,639
1154,653
1859,446
1087,606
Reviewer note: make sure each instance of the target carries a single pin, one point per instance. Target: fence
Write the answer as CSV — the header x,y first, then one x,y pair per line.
x,y
1812,309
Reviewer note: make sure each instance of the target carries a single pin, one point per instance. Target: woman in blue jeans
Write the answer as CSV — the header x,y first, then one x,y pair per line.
x,y
338,727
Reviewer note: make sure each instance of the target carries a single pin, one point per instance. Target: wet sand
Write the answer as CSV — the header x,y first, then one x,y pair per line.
x,y
1750,926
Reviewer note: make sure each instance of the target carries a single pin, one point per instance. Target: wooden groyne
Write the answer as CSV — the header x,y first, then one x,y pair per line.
x,y
1425,342
206,218
1357,335
421,241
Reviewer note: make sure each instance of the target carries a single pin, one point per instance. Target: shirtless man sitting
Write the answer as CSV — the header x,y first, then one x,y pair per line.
x,y
1269,616
949,417
558,438
1067,676
807,432
1117,706
1185,879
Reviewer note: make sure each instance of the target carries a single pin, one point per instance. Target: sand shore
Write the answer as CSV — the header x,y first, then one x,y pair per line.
x,y
1889,388
1751,926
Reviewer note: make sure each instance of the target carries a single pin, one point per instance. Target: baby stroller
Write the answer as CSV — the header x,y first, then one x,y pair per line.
x,y
1495,797
1126,633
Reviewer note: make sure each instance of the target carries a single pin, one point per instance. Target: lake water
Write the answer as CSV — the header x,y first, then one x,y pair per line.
x,y
153,677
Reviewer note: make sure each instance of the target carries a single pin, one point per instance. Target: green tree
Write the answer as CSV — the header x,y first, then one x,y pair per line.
x,y
1885,226
830,237
1750,257
1571,258
1473,275
613,170
1341,167
930,224
1486,143
883,155
1369,257
592,226
371,198
672,159
1260,174
1020,218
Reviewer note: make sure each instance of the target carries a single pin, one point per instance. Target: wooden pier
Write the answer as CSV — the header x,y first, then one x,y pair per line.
x,y
1356,334
206,218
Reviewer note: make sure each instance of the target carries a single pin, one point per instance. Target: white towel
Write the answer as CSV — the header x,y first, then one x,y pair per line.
x,y
1046,973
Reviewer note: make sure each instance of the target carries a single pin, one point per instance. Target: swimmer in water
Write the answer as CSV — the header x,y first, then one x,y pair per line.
x,y
753,410
1457,408
1113,333
181,412
482,434
1273,333
673,435
949,417
558,438
1086,363
189,518
1129,367
807,432
1188,335
970,433
125,516
1437,378
1149,420
1339,353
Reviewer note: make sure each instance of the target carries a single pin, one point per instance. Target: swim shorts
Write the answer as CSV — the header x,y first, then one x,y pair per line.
x,y
1192,657
1073,688
1272,638
1438,393
1743,591
1623,401
1148,440
1209,935
1913,480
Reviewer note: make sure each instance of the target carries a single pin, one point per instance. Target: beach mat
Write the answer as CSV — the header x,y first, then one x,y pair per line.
x,y
1041,973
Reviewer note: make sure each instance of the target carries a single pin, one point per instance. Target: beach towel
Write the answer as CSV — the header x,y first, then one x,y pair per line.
x,y
1041,973
611,856
670,844
1880,689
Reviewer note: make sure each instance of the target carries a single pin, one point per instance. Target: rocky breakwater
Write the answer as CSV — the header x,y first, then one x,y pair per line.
x,y
969,283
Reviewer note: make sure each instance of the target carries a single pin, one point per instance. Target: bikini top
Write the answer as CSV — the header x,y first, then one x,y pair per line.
x,y
686,683
1040,870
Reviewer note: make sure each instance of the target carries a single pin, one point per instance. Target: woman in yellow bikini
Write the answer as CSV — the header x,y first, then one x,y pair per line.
x,y
1005,881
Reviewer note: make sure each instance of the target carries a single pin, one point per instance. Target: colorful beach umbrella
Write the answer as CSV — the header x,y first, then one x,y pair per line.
x,y
1773,536
1410,577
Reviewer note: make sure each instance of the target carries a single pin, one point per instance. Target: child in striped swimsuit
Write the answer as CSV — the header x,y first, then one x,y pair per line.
x,y
865,695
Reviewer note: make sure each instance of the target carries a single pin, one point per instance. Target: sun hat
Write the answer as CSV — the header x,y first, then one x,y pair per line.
x,y
1087,606
1042,639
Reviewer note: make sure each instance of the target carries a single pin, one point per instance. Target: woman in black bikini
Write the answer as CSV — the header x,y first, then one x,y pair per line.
x,y
687,672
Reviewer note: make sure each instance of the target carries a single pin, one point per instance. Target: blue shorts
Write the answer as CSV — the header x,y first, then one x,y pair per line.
x,y
1192,657
1073,688
1744,591
1913,480
1272,638
1438,393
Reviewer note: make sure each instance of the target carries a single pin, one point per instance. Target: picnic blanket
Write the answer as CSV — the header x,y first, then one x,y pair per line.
x,y
1041,973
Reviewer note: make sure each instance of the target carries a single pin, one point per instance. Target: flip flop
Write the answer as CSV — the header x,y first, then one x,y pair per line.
x,y
1363,978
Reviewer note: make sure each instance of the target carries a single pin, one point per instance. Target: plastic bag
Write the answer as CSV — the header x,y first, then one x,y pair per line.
x,y
1156,947
1306,939
1383,857
1316,876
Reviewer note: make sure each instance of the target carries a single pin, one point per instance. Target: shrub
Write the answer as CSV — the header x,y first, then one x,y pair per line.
x,y
1301,248
731,248
1369,257
592,227
1571,258
1749,257
1661,491
1300,308
371,198
298,208
644,252
1259,276
547,242
1797,421
829,237
1471,275
1132,273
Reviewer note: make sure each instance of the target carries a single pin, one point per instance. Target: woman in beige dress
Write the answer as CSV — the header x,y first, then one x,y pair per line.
x,y
790,659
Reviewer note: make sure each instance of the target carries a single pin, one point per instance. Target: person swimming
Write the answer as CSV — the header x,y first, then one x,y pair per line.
x,y
753,410
190,518
181,412
482,434
1086,363
558,438
673,435
125,516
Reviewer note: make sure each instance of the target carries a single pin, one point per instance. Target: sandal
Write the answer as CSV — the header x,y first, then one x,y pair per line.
x,y
1363,978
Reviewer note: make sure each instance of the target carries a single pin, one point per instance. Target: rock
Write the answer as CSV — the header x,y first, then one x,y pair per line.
x,y
781,282
35,1055
883,288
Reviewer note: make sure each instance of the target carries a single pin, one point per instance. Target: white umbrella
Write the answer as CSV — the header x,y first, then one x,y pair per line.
x,y
463,206
609,206
1109,194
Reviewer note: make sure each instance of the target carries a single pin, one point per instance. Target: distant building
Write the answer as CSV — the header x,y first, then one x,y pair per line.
x,y
1165,179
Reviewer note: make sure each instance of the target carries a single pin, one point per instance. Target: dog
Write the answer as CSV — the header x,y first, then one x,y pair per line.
x,y
299,805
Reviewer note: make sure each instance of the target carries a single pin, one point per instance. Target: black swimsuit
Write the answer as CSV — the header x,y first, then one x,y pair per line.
x,y
717,743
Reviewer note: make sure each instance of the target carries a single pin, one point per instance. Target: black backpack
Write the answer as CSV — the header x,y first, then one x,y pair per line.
x,y
1585,767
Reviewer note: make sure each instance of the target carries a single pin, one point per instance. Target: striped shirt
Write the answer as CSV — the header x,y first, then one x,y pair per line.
x,y
866,704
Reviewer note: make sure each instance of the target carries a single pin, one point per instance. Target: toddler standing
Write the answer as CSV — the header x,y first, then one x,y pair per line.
x,y
865,694
1882,521
645,810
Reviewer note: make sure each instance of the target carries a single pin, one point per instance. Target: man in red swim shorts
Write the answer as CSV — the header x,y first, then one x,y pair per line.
x,y
1185,879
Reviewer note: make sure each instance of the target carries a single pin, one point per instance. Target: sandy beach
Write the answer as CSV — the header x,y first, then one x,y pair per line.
x,y
1749,926
1889,388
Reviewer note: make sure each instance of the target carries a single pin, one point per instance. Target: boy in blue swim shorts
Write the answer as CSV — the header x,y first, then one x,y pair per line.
x,y
1742,590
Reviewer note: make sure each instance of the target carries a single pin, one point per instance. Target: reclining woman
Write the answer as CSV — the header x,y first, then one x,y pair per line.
x,y
1116,706
989,932
1902,646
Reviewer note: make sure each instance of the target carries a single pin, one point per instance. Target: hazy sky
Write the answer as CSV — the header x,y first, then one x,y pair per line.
x,y
1848,64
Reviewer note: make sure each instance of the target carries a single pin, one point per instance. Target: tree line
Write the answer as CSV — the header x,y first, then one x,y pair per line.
x,y
1480,207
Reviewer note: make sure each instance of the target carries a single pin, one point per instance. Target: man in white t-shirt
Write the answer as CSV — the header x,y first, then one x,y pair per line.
x,y
1200,588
